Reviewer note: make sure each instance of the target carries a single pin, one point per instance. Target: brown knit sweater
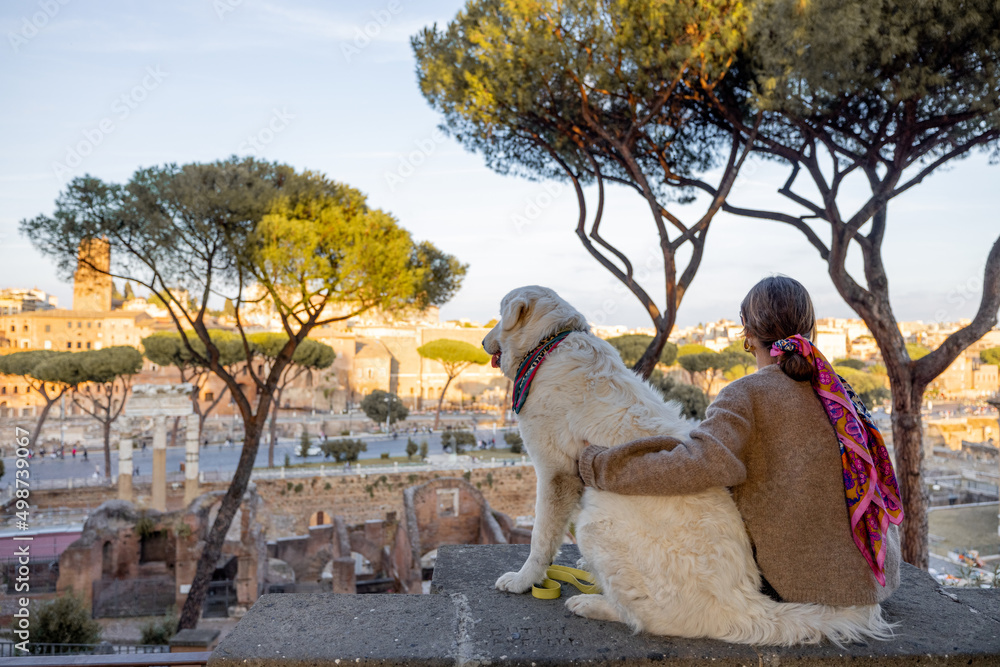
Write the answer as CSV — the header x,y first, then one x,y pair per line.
x,y
768,438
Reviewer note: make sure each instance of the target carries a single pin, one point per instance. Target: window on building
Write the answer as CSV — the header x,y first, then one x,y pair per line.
x,y
98,325
69,345
209,396
48,328
447,502
88,345
3,390
15,389
25,328
88,325
69,325
79,325
79,345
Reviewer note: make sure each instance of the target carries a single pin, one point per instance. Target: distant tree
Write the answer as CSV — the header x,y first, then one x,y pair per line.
x,y
492,323
305,444
379,405
457,439
737,362
692,400
701,362
991,356
691,348
411,448
514,441
856,364
129,292
872,389
423,449
3,469
64,620
115,294
343,449
309,248
228,309
51,387
101,381
455,356
631,347
916,351
170,349
310,355
596,93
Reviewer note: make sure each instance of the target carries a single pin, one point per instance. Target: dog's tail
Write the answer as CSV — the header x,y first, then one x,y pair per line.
x,y
788,623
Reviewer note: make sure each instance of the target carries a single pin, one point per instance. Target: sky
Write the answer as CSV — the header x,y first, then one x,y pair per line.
x,y
106,88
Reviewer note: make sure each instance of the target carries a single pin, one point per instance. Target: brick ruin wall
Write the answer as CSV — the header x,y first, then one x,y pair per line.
x,y
289,503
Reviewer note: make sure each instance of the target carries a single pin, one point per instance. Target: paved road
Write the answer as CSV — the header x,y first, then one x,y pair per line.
x,y
216,457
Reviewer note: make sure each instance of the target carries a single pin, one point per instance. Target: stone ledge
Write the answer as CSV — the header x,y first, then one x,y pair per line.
x,y
467,621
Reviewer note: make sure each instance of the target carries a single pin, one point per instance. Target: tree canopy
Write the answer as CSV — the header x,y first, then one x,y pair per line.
x,y
167,348
455,356
631,347
50,387
381,404
596,92
260,234
991,356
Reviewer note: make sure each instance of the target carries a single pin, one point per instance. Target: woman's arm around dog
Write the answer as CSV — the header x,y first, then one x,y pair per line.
x,y
711,457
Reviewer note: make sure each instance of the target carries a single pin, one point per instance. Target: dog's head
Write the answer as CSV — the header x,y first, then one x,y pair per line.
x,y
528,315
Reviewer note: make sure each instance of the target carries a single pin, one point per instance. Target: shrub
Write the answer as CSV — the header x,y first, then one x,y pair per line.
x,y
298,488
384,456
514,441
423,449
65,620
411,448
159,632
288,460
305,443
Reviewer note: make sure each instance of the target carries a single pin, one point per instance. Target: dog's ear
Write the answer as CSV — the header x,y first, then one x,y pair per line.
x,y
513,311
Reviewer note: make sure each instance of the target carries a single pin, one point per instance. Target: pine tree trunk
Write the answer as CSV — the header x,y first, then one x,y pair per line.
x,y
907,438
647,362
212,549
41,420
107,448
437,417
273,436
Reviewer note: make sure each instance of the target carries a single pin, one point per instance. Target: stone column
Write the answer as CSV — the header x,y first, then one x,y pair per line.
x,y
125,469
191,460
160,463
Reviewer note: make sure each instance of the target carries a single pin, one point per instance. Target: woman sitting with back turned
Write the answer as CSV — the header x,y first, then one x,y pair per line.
x,y
807,467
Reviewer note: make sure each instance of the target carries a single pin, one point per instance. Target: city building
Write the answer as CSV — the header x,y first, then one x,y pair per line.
x,y
15,300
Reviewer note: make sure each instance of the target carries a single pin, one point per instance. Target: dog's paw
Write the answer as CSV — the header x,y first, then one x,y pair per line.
x,y
514,582
595,607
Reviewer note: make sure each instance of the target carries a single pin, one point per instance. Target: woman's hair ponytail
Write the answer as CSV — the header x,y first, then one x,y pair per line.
x,y
795,366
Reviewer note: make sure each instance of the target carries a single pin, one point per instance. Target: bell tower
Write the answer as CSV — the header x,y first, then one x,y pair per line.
x,y
91,283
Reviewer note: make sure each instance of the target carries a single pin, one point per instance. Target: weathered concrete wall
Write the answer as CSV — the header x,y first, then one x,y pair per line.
x,y
468,622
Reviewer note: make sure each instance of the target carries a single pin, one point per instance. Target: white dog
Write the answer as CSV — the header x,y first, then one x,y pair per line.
x,y
671,565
